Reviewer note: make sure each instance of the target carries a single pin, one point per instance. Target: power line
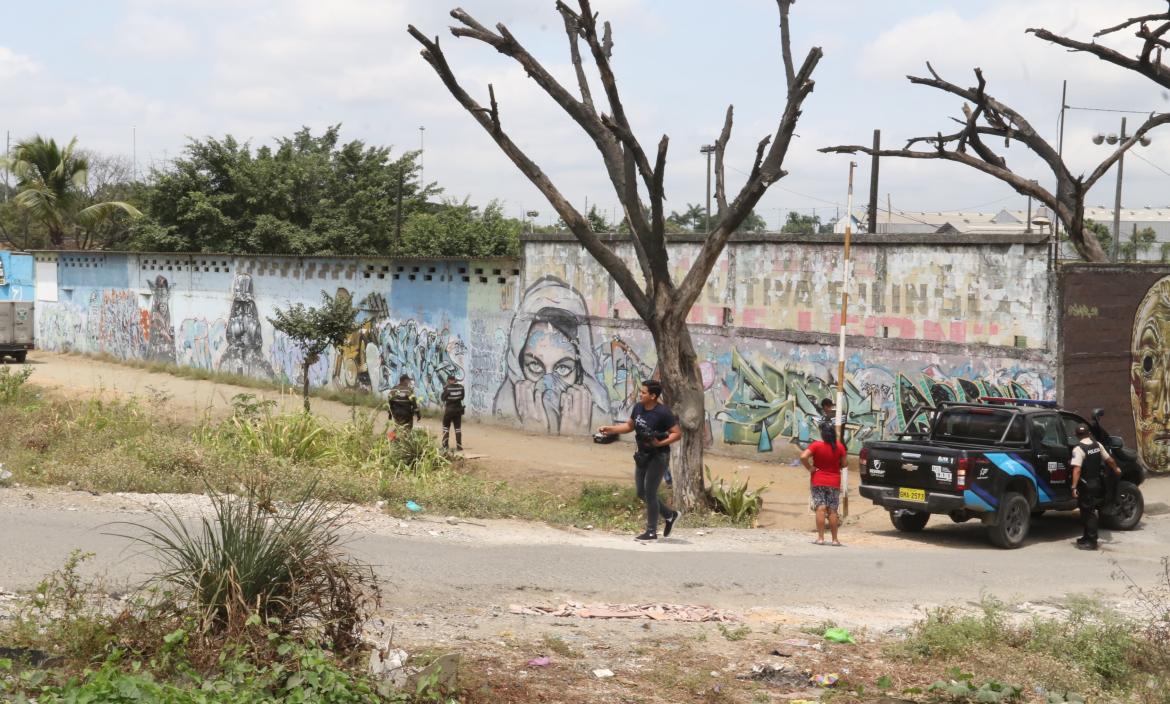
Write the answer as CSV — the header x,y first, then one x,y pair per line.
x,y
1131,112
1131,152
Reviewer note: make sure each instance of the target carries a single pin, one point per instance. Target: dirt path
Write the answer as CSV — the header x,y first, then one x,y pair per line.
x,y
500,452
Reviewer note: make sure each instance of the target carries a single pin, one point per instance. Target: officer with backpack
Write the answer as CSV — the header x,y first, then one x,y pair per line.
x,y
1089,460
452,398
403,405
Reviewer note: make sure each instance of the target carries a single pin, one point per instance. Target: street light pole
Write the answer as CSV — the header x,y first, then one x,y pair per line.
x,y
708,149
1117,198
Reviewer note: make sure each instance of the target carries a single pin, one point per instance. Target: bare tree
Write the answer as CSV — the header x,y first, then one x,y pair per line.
x,y
662,304
985,117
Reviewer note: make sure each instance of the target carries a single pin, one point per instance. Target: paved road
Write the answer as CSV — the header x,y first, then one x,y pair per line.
x,y
881,576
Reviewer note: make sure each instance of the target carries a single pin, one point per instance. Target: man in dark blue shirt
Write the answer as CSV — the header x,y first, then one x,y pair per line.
x,y
655,428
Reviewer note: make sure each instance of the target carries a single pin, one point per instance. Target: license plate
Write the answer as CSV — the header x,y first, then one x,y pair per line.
x,y
912,494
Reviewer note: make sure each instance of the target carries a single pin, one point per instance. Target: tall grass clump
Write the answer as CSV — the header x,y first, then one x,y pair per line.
x,y
12,383
253,558
741,504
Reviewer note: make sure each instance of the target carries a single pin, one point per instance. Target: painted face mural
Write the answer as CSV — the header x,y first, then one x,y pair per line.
x,y
551,382
1149,389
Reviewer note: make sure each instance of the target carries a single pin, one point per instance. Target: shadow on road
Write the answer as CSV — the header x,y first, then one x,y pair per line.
x,y
942,532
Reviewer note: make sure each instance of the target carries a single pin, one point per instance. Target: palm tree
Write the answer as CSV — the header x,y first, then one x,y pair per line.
x,y
51,183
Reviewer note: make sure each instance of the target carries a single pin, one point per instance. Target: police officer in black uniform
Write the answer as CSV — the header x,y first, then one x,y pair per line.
x,y
403,405
452,398
1089,460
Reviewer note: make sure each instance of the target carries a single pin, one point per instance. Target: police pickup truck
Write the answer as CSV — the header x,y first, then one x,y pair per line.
x,y
1001,460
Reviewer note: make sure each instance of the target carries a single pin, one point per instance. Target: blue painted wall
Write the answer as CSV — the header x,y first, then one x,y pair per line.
x,y
19,281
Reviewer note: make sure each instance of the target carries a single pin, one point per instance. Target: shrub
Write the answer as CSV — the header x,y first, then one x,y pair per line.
x,y
742,505
253,557
12,383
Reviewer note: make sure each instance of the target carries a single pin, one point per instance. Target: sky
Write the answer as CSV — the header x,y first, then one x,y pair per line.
x,y
141,78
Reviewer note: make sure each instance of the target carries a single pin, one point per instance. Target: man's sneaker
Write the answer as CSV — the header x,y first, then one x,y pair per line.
x,y
670,523
1086,546
648,535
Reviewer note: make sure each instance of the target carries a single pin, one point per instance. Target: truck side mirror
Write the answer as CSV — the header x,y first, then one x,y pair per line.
x,y
1115,442
1098,412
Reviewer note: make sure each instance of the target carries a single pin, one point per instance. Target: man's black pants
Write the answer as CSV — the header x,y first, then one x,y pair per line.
x,y
453,418
647,478
1089,501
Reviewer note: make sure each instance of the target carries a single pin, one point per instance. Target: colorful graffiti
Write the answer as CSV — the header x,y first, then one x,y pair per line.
x,y
768,403
288,356
1149,376
427,355
550,367
200,343
119,323
244,353
351,369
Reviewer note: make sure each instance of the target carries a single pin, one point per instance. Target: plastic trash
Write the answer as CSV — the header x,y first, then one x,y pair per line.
x,y
602,673
838,635
826,680
413,507
542,661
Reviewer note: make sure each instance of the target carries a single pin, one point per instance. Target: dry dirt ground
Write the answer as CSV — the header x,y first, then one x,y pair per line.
x,y
450,584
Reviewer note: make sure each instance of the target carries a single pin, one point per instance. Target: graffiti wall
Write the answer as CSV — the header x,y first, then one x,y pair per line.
x,y
213,313
1115,352
923,287
549,344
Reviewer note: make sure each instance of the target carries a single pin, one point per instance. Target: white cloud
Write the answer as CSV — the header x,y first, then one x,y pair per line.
x,y
149,36
13,64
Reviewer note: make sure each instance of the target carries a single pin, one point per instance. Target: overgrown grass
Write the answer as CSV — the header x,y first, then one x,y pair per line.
x,y
132,445
1091,649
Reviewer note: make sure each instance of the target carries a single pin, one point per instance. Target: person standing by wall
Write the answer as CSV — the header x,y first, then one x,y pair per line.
x,y
655,428
452,398
824,459
1088,465
403,405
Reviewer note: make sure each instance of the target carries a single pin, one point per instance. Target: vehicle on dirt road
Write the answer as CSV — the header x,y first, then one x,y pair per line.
x,y
1003,461
16,329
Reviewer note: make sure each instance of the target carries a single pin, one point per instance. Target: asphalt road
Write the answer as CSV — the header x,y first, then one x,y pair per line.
x,y
881,577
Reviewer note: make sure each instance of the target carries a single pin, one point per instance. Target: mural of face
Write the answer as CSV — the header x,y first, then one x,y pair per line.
x,y
1149,389
551,380
550,357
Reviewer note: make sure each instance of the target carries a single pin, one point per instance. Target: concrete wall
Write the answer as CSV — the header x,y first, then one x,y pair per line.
x,y
211,312
16,276
550,344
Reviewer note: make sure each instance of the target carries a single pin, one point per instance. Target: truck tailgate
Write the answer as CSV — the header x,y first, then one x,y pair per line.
x,y
912,466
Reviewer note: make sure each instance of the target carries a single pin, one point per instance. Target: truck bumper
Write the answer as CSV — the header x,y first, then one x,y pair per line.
x,y
887,497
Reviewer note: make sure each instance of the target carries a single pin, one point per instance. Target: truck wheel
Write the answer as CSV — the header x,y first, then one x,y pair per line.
x,y
1127,511
1012,521
909,521
20,356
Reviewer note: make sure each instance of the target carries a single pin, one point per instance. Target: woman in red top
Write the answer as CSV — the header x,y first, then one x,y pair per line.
x,y
824,460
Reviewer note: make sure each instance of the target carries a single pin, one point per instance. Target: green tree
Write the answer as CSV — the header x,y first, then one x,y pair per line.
x,y
801,224
597,220
52,190
317,329
308,195
461,230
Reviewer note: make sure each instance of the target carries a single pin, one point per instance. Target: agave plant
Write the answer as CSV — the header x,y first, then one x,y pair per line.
x,y
252,558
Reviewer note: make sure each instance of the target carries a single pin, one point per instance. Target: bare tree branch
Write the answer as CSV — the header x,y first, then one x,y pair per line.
x,y
770,171
1156,72
578,224
573,30
720,173
786,43
1151,122
1132,21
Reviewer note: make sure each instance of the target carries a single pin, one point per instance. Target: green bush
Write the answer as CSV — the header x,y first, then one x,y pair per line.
x,y
12,383
740,504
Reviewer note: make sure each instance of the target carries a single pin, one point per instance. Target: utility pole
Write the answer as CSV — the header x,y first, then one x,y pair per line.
x,y
708,149
873,183
1117,197
846,280
7,154
422,159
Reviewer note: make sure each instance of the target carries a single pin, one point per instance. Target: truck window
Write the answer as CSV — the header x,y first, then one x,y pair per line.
x,y
979,425
1049,430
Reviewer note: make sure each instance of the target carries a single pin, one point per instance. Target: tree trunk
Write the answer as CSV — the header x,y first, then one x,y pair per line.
x,y
683,386
305,382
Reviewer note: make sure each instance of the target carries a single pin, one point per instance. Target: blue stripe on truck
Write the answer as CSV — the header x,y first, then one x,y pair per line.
x,y
1014,465
978,498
